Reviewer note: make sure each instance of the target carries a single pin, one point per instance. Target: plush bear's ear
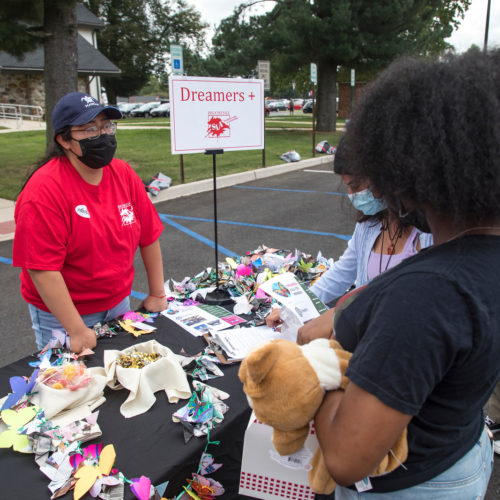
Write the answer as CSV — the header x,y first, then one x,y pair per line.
x,y
260,361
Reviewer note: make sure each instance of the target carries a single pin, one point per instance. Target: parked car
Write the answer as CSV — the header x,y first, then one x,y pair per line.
x,y
122,106
144,109
308,106
161,110
127,107
297,103
277,105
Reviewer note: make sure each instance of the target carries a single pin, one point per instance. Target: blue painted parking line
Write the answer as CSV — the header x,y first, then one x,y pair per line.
x,y
167,219
290,190
199,237
248,224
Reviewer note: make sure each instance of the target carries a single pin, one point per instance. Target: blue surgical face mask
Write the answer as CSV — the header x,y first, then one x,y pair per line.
x,y
365,202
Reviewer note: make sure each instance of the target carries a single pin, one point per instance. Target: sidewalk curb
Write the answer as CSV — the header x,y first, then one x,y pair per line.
x,y
232,179
180,190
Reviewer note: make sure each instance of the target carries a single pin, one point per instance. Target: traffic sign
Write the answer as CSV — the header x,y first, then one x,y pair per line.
x,y
314,73
176,59
264,73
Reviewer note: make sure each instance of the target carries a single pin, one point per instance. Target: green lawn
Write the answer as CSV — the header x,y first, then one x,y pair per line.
x,y
297,120
148,151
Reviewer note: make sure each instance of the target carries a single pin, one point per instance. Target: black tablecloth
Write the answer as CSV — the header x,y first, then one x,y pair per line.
x,y
149,444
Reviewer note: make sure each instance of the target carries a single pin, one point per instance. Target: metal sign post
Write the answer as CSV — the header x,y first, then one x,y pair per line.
x,y
313,124
353,79
314,80
218,296
264,73
177,63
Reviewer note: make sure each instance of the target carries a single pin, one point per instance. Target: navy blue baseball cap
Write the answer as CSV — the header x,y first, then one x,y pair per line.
x,y
78,108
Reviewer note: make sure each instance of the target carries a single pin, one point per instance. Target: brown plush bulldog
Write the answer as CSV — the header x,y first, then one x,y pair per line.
x,y
285,384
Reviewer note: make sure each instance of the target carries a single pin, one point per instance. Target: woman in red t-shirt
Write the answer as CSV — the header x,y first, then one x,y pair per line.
x,y
80,218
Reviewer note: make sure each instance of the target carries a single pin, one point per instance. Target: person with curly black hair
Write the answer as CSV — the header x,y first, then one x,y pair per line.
x,y
425,334
380,241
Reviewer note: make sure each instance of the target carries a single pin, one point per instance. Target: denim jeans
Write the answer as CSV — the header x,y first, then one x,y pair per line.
x,y
467,479
44,322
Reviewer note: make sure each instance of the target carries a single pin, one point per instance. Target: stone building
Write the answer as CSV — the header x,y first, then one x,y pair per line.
x,y
21,80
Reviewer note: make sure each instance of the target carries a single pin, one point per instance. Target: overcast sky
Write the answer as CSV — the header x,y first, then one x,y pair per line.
x,y
470,32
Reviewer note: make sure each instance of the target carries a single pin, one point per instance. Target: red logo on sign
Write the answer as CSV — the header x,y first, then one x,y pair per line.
x,y
219,124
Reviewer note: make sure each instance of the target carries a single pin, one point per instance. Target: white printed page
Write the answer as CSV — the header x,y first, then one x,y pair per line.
x,y
294,296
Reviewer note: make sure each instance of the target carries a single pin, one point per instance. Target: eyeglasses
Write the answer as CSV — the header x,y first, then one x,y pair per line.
x,y
94,132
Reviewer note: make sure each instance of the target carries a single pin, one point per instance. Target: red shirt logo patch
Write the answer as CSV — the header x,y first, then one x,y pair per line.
x,y
127,214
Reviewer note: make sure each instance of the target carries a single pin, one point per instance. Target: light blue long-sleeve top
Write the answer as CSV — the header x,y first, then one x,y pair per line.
x,y
352,267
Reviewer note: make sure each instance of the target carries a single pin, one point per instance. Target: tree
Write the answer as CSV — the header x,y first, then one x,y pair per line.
x,y
20,25
61,55
26,24
333,33
137,37
237,45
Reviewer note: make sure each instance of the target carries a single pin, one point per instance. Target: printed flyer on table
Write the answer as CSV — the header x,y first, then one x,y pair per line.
x,y
201,319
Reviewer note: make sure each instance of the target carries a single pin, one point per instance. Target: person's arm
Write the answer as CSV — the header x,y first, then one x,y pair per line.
x,y
355,431
341,276
153,263
320,327
55,295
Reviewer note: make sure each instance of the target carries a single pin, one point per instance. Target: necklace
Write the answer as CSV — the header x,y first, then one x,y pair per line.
x,y
392,246
477,228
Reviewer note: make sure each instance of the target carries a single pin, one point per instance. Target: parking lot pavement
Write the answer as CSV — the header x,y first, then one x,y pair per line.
x,y
299,209
304,209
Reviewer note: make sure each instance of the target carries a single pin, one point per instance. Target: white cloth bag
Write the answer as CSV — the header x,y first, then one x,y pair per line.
x,y
164,374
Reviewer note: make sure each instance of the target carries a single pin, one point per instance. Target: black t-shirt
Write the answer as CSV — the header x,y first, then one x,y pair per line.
x,y
426,342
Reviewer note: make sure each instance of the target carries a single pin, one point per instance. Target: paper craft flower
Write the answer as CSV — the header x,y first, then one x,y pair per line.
x,y
207,465
79,430
92,476
205,488
190,302
141,487
305,266
91,452
198,410
141,317
242,270
44,360
59,340
20,386
204,410
15,420
128,326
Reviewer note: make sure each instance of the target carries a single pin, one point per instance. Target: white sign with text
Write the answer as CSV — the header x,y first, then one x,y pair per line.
x,y
215,113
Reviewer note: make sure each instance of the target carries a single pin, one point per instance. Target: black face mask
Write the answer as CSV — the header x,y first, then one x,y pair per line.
x,y
98,153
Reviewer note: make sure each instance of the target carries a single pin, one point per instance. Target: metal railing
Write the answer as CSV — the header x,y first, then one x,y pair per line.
x,y
20,112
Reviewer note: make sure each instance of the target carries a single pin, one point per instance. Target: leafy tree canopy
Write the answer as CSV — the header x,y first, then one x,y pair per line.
x,y
22,26
366,34
137,37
